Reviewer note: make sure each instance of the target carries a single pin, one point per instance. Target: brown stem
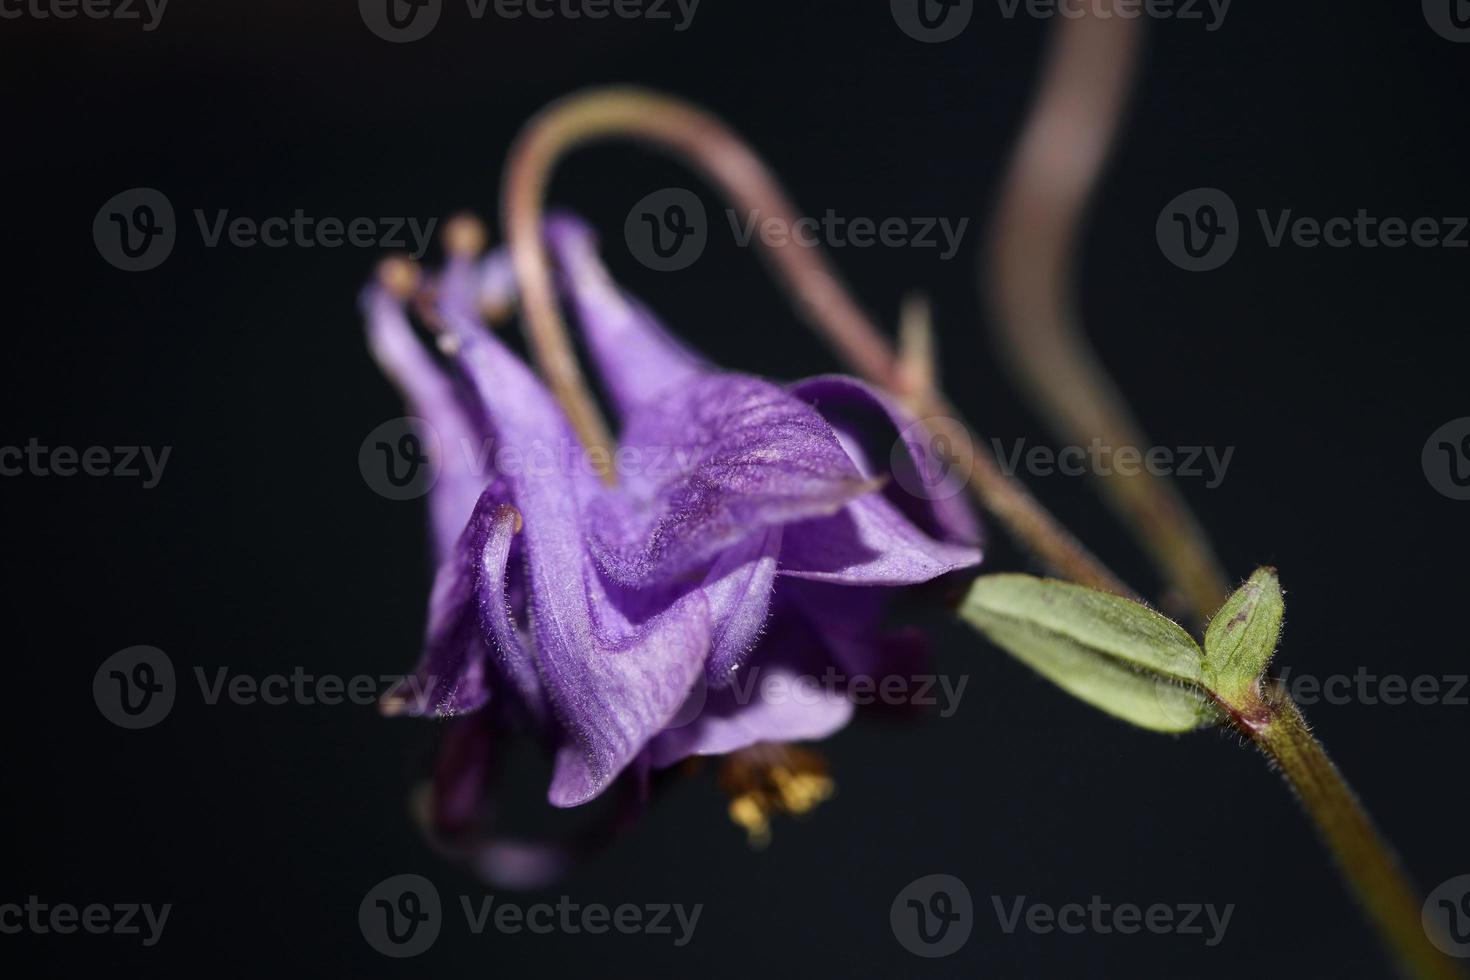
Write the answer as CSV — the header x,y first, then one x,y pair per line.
x,y
722,158
1029,271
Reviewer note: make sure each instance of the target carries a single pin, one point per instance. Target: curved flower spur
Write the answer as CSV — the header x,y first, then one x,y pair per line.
x,y
611,601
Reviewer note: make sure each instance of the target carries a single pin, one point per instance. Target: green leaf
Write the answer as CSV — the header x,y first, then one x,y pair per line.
x,y
1111,652
1242,638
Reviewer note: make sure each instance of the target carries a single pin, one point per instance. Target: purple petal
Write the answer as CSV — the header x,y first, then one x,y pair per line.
x,y
638,359
496,621
850,622
869,543
884,441
430,394
465,758
784,694
461,809
613,683
452,676
738,589
708,465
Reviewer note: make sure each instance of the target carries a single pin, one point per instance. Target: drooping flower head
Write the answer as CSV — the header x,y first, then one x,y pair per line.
x,y
748,528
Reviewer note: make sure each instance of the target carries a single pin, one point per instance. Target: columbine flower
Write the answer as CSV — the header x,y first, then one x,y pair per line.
x,y
750,528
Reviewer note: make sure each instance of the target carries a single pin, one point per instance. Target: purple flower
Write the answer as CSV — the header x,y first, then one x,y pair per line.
x,y
751,528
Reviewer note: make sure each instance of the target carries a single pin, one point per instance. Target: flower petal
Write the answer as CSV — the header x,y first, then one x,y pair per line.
x,y
613,683
885,441
779,696
706,466
738,589
869,543
639,360
850,622
496,621
461,812
451,677
431,394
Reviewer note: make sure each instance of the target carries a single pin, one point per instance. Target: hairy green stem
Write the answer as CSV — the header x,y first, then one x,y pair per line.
x,y
1378,881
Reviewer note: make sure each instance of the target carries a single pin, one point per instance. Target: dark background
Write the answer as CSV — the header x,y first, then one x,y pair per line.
x,y
262,549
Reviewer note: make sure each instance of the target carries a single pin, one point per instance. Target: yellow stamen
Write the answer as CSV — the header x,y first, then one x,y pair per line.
x,y
769,779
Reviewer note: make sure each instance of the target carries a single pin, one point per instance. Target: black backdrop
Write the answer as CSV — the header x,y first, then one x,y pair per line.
x,y
261,549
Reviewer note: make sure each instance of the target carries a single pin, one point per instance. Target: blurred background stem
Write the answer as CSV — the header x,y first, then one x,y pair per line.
x,y
1029,273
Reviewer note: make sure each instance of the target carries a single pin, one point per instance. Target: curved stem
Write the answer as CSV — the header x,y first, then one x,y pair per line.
x,y
1029,269
722,158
